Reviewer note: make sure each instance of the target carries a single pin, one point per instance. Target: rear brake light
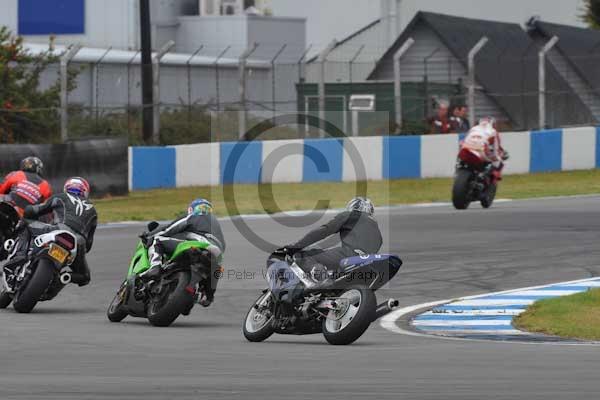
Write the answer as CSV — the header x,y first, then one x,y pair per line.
x,y
66,240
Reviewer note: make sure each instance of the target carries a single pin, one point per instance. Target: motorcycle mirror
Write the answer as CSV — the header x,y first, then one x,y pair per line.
x,y
152,226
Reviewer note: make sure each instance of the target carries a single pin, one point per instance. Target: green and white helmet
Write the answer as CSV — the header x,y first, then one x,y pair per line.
x,y
361,204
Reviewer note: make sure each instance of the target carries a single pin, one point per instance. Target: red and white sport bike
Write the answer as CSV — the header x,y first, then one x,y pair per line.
x,y
476,177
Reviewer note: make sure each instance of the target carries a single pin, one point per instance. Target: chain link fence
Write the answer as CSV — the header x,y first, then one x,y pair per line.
x,y
193,90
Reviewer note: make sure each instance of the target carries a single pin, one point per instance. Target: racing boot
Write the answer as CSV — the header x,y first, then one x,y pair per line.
x,y
155,254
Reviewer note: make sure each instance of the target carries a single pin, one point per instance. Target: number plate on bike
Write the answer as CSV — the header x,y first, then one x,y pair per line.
x,y
58,253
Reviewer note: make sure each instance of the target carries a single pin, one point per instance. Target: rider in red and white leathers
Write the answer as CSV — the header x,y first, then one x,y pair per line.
x,y
484,140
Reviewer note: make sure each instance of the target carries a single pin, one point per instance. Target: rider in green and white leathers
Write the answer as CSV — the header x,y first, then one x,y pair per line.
x,y
164,239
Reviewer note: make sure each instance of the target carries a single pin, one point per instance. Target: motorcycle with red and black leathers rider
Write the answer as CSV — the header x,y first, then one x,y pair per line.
x,y
479,166
20,189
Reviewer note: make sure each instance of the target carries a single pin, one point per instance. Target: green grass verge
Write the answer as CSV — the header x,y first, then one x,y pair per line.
x,y
575,316
170,203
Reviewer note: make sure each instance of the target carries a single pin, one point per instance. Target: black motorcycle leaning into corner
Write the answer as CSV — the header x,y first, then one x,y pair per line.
x,y
43,274
340,304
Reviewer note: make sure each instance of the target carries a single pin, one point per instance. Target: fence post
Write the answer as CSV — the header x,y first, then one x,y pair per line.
x,y
95,87
542,79
273,78
398,83
352,60
242,88
218,91
189,77
302,63
64,90
156,81
471,60
129,91
322,60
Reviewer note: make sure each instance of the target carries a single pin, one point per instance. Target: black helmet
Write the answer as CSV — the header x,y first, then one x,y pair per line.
x,y
32,164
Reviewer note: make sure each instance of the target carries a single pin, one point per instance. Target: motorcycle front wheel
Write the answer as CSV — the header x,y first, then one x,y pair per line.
x,y
258,325
27,297
5,299
353,316
164,309
116,311
490,195
460,190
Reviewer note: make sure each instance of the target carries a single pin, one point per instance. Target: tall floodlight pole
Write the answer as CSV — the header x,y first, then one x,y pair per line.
x,y
146,65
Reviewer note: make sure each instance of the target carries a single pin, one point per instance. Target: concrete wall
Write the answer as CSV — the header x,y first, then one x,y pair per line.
x,y
336,160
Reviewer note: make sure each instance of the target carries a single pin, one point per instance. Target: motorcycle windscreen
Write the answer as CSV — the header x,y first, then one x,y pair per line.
x,y
281,277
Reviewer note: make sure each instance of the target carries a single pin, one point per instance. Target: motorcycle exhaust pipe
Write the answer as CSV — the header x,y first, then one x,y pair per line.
x,y
385,308
65,278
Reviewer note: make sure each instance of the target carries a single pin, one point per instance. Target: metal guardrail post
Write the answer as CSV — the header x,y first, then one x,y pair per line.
x,y
156,82
273,92
64,90
242,74
189,78
352,61
322,60
542,79
398,82
95,84
471,60
302,64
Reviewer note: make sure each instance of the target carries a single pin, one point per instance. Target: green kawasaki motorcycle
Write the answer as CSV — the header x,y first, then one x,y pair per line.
x,y
185,275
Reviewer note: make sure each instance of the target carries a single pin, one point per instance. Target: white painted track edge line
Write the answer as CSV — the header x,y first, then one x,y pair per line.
x,y
388,322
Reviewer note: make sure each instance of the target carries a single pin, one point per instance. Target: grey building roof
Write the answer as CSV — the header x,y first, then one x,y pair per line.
x,y
350,40
580,46
506,68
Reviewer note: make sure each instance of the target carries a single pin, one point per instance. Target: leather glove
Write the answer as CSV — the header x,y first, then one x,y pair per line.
x,y
146,239
505,156
290,250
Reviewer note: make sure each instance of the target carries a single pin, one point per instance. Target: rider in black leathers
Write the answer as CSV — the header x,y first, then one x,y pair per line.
x,y
164,240
359,234
70,211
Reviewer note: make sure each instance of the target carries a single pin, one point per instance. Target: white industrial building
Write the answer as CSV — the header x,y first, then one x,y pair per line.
x,y
202,67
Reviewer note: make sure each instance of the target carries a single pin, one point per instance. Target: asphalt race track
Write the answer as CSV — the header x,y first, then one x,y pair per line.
x,y
66,349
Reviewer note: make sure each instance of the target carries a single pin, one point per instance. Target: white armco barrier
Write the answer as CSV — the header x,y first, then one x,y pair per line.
x,y
335,160
368,150
578,148
197,164
282,161
518,144
438,155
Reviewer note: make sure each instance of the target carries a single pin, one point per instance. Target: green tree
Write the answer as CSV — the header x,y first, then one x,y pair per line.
x,y
591,13
28,113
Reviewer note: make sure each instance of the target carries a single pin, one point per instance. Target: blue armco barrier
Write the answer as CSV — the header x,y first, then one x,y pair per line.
x,y
152,167
401,157
546,151
598,147
323,160
241,162
328,160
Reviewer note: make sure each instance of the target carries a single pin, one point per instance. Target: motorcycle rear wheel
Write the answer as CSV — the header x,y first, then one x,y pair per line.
x,y
257,327
178,300
460,190
343,327
26,298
